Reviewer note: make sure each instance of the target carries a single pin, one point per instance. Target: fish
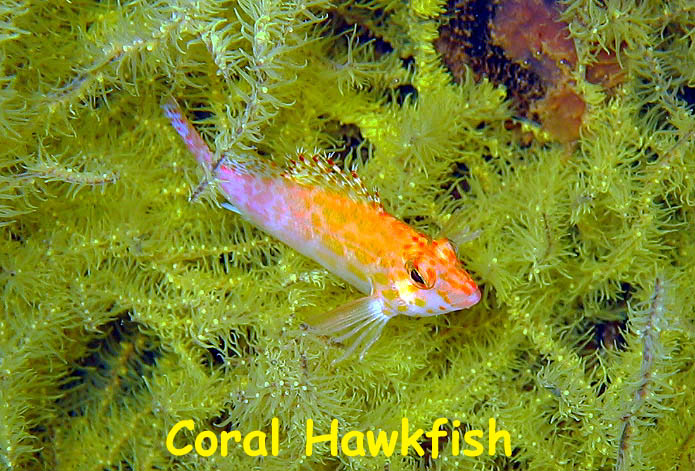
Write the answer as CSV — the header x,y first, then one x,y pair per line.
x,y
326,213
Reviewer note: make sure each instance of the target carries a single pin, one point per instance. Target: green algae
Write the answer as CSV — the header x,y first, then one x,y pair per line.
x,y
126,308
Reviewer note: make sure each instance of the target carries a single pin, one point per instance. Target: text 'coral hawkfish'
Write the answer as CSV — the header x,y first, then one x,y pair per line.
x,y
328,215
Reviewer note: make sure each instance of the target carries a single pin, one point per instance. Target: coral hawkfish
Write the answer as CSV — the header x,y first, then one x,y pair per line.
x,y
327,214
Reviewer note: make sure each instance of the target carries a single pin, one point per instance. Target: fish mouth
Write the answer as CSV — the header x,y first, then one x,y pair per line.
x,y
474,298
467,301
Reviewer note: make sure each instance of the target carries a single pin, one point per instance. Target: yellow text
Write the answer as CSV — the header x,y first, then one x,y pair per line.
x,y
207,442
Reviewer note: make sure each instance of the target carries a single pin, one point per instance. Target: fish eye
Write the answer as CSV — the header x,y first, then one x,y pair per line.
x,y
416,276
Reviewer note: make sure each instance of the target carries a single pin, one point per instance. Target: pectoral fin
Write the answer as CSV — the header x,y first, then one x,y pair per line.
x,y
360,321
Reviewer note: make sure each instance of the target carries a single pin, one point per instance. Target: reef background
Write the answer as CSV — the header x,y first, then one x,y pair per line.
x,y
126,308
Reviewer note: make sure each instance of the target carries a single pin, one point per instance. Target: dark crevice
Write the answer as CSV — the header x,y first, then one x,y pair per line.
x,y
120,356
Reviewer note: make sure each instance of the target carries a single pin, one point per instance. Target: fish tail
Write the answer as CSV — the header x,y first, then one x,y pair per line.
x,y
188,133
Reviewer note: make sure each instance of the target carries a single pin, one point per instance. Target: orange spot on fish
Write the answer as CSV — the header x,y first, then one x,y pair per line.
x,y
363,257
444,295
380,278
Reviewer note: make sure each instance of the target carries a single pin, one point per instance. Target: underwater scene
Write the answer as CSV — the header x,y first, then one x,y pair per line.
x,y
347,235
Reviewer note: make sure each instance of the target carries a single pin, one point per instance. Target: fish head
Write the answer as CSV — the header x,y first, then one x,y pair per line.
x,y
432,281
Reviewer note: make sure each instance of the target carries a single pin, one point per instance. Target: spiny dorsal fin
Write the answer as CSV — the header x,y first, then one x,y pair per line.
x,y
317,168
256,167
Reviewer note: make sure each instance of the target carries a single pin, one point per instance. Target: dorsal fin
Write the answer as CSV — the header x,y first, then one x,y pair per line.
x,y
257,167
317,168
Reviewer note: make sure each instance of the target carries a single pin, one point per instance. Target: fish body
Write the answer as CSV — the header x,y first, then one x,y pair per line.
x,y
327,214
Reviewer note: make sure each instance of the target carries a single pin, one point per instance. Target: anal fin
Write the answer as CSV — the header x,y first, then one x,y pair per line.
x,y
230,207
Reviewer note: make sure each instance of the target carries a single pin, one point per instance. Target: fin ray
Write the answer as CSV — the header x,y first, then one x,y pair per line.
x,y
319,169
361,320
230,207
